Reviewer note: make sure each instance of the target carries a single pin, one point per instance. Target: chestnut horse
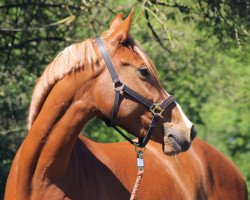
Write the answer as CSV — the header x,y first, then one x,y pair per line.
x,y
54,162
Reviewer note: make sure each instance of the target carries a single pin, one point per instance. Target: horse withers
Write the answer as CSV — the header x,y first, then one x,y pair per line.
x,y
55,162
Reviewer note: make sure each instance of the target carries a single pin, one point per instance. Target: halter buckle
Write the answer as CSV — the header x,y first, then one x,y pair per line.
x,y
118,86
157,109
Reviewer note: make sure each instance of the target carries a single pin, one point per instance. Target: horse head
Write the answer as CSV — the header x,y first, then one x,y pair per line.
x,y
133,67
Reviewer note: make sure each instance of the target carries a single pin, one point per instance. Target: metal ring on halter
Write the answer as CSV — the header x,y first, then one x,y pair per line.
x,y
157,109
140,149
118,86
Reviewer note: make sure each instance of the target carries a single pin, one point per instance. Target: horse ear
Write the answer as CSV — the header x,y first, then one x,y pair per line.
x,y
121,32
116,21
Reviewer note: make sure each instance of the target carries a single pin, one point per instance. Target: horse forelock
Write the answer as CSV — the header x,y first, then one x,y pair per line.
x,y
70,59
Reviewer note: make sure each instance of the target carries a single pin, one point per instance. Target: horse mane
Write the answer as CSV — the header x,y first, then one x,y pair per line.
x,y
72,58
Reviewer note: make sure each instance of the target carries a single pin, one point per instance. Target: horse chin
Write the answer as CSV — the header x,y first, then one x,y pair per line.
x,y
171,147
170,151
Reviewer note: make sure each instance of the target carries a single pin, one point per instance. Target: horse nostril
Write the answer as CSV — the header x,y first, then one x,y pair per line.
x,y
193,132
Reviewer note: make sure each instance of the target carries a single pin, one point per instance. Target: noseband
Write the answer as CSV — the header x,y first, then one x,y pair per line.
x,y
119,88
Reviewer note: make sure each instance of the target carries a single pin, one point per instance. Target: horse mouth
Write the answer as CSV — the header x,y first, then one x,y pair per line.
x,y
173,145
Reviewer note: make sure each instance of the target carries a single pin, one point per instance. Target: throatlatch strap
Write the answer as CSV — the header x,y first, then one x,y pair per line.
x,y
125,136
111,122
150,131
107,60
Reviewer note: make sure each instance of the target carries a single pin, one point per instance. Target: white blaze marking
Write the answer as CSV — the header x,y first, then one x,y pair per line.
x,y
184,117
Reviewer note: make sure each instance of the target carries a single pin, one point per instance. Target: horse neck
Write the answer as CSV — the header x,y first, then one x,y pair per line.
x,y
47,148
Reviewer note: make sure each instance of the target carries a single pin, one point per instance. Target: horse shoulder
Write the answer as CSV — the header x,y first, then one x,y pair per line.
x,y
10,188
221,178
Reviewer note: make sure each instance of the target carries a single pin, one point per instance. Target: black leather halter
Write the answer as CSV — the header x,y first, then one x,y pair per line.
x,y
119,87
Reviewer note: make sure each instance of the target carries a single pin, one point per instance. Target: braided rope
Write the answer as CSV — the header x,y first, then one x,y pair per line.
x,y
137,183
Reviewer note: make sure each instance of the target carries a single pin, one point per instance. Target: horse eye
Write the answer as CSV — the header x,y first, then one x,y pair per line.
x,y
144,71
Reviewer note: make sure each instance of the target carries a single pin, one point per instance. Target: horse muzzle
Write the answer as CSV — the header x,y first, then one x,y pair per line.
x,y
178,140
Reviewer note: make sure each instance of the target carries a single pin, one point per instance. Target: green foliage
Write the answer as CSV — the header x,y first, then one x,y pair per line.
x,y
200,49
95,127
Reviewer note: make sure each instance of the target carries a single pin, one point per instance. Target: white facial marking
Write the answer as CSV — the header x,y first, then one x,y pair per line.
x,y
184,117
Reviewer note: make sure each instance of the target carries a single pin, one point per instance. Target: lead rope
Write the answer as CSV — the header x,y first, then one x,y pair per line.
x,y
140,165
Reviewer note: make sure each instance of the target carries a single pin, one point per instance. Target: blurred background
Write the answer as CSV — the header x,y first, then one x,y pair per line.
x,y
200,48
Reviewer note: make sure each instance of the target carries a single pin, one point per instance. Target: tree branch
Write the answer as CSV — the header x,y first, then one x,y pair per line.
x,y
154,33
184,9
12,130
